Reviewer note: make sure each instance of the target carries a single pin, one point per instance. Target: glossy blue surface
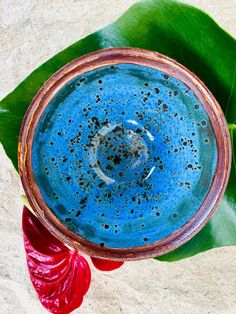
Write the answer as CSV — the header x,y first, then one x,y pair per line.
x,y
124,155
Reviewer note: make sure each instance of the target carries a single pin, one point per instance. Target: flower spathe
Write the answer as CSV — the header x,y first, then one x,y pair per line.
x,y
60,276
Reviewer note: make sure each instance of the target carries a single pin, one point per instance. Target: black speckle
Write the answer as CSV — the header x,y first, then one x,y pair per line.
x,y
100,185
138,131
59,133
165,108
102,244
64,159
68,219
157,90
145,239
78,213
117,160
83,200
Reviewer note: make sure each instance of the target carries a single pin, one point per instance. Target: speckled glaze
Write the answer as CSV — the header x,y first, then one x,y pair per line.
x,y
123,153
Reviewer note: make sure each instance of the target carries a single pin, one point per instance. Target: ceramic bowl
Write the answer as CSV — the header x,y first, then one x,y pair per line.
x,y
124,154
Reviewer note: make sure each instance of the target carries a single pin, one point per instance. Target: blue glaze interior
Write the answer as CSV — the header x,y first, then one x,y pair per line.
x,y
124,155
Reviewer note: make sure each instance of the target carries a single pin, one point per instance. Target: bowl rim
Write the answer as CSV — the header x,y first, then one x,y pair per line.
x,y
112,56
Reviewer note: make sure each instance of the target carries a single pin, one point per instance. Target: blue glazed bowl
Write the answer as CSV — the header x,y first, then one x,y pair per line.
x,y
124,154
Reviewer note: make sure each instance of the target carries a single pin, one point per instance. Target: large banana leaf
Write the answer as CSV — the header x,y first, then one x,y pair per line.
x,y
181,32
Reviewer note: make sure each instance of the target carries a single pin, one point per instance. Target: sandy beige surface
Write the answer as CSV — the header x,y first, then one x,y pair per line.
x,y
30,32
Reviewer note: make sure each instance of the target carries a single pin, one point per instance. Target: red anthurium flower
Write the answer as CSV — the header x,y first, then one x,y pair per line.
x,y
60,276
105,265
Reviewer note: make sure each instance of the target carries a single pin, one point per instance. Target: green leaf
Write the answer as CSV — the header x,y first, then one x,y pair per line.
x,y
181,32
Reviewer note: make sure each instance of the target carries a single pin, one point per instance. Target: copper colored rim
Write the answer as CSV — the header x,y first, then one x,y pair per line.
x,y
110,57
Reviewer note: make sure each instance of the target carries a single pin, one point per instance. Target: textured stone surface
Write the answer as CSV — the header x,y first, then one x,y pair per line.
x,y
30,32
